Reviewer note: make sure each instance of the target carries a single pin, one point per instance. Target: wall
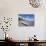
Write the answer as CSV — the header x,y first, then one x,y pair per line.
x,y
10,8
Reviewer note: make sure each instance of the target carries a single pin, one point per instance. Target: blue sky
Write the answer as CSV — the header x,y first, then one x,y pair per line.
x,y
29,16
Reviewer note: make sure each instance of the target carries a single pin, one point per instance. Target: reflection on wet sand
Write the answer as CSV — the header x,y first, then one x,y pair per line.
x,y
25,22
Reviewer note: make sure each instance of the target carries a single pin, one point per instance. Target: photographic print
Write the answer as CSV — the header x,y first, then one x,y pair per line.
x,y
25,19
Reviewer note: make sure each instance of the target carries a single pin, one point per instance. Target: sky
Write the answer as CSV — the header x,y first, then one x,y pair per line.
x,y
28,16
